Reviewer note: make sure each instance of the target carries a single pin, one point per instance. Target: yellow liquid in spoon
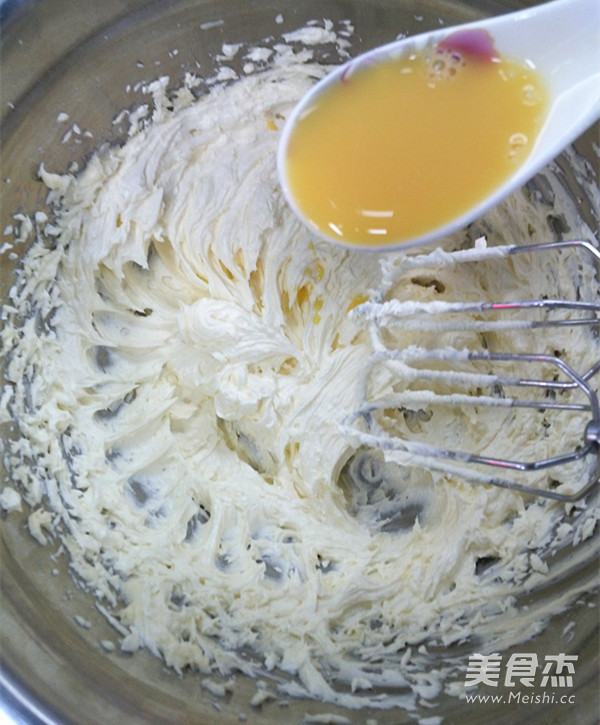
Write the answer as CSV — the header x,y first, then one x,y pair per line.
x,y
401,147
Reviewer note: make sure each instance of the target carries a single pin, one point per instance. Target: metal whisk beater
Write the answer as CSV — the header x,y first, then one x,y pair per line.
x,y
445,366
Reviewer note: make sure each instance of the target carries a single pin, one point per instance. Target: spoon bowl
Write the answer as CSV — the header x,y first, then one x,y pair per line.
x,y
558,39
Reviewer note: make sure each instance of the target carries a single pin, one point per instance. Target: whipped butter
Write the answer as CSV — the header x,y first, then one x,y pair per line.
x,y
182,360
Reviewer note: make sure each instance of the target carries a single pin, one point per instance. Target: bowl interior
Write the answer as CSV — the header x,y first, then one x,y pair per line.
x,y
84,60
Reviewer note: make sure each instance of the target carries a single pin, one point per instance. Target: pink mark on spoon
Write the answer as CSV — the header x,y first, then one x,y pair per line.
x,y
474,43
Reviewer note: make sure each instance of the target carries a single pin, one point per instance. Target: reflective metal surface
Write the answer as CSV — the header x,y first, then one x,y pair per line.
x,y
78,57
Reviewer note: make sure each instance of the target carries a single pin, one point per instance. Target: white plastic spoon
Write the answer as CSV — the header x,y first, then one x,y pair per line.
x,y
559,39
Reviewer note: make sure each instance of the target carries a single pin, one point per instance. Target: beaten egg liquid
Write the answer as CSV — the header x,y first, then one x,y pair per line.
x,y
402,147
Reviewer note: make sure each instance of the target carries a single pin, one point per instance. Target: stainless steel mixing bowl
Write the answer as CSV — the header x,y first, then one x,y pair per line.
x,y
79,57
